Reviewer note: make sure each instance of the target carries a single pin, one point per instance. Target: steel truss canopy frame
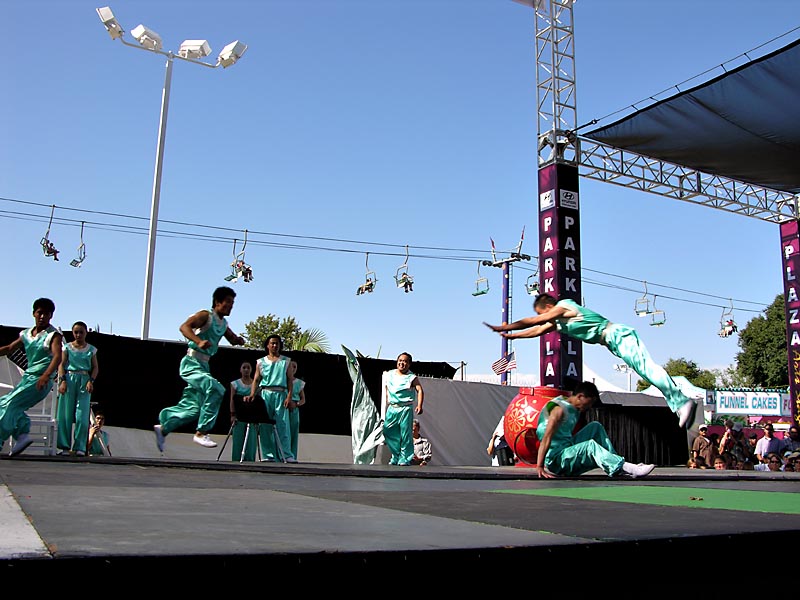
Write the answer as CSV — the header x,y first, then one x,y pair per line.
x,y
627,153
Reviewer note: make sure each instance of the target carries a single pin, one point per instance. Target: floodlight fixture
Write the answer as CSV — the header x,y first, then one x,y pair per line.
x,y
231,53
148,38
112,26
194,49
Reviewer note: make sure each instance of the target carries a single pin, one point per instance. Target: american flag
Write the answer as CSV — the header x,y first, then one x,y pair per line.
x,y
507,363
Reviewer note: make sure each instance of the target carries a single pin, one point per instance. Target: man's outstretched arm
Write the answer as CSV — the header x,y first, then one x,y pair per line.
x,y
532,332
548,316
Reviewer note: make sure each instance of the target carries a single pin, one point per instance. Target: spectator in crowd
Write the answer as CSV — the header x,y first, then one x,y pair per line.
x,y
752,440
728,440
703,447
498,449
791,442
422,447
768,444
720,464
772,462
697,463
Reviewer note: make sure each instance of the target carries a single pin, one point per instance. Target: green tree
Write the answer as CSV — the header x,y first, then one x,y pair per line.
x,y
294,338
257,331
311,340
682,367
729,377
764,360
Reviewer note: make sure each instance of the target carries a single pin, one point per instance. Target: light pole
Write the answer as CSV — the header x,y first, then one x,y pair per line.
x,y
625,369
190,51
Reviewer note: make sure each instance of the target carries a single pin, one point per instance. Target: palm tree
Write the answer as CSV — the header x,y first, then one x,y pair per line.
x,y
312,340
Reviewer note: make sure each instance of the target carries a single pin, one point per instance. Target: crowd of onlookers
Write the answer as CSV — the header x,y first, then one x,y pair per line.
x,y
735,450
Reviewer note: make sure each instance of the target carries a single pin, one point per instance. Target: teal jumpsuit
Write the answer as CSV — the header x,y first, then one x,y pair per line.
x,y
203,394
96,448
240,429
624,343
573,455
13,420
273,391
398,424
294,415
74,405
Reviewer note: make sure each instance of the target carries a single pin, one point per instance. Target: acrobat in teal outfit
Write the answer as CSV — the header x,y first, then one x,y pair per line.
x,y
399,421
274,388
240,430
13,419
74,406
624,343
294,415
203,394
573,455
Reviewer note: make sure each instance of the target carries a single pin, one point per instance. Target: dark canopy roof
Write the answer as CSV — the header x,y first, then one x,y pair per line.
x,y
744,125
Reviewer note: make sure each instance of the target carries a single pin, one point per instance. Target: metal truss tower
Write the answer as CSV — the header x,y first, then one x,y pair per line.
x,y
564,157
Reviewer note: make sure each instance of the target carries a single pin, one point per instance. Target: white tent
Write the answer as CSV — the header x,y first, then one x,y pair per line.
x,y
689,390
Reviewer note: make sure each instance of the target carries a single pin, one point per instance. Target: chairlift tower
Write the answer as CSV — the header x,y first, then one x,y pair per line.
x,y
505,265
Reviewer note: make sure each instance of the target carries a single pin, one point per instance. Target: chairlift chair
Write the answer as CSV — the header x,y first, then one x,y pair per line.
x,y
481,284
402,278
77,262
658,317
642,305
240,268
48,247
370,279
727,326
532,284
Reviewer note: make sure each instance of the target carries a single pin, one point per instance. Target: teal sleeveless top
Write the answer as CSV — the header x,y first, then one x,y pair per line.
x,y
37,349
241,388
80,360
563,435
399,388
273,374
212,331
299,384
587,326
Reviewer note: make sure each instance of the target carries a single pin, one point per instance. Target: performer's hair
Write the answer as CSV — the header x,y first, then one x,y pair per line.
x,y
543,300
221,293
45,304
277,337
81,323
410,359
588,389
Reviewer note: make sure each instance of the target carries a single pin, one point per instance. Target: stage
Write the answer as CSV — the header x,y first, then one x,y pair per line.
x,y
153,517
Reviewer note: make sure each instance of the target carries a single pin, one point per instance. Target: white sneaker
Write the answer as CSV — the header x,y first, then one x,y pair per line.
x,y
80,453
160,438
22,444
291,459
686,413
640,470
204,440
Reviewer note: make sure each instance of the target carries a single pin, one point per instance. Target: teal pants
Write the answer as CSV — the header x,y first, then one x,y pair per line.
x,y
398,434
199,402
590,449
13,420
278,413
74,408
624,342
256,432
294,429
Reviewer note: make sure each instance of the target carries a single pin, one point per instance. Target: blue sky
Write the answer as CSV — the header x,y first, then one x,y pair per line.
x,y
377,121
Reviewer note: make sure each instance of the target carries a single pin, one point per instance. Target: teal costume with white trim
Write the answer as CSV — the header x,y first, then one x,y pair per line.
x,y
13,419
274,388
624,343
74,405
294,415
203,394
240,429
399,422
573,455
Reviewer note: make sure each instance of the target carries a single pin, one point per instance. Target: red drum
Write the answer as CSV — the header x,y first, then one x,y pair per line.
x,y
521,419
